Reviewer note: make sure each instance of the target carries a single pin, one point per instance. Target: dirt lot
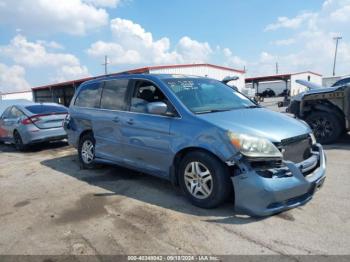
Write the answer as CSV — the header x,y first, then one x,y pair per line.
x,y
49,206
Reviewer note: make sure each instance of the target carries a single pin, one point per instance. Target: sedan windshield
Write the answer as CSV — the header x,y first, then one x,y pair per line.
x,y
202,95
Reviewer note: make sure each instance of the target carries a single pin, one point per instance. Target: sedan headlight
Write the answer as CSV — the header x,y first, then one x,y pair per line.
x,y
252,146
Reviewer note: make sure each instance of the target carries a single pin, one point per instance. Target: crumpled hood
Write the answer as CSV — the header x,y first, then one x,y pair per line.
x,y
258,122
301,95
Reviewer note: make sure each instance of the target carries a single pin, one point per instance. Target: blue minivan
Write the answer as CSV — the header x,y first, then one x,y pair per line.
x,y
200,134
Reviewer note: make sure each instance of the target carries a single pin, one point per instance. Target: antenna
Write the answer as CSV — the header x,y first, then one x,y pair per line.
x,y
105,64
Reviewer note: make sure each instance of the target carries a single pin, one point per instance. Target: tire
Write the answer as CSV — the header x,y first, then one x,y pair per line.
x,y
327,127
206,193
86,151
18,142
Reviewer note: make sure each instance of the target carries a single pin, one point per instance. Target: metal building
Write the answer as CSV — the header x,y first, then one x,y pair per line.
x,y
27,95
62,93
280,83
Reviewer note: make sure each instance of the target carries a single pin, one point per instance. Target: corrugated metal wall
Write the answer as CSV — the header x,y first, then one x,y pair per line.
x,y
20,95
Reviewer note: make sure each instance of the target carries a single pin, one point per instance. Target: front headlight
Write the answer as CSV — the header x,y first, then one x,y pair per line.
x,y
252,146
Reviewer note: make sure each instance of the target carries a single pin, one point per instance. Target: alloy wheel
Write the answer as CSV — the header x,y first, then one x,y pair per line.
x,y
88,151
198,180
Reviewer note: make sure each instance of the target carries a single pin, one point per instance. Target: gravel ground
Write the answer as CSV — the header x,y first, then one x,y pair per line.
x,y
48,205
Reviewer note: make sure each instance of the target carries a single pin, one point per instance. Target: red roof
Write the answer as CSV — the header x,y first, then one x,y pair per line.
x,y
138,71
276,77
149,68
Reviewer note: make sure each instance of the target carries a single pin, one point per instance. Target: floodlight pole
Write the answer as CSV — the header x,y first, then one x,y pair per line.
x,y
336,51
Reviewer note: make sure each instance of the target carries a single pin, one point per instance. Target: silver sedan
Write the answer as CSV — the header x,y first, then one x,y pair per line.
x,y
25,124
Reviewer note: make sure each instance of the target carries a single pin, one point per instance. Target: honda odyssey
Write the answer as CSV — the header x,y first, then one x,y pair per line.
x,y
200,134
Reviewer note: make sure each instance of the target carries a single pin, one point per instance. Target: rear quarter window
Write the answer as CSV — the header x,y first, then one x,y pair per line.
x,y
46,109
89,96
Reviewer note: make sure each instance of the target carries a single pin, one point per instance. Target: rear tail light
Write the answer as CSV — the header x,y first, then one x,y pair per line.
x,y
30,120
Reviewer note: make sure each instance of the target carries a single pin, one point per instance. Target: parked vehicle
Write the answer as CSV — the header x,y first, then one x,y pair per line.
x,y
342,82
198,133
30,123
268,93
326,110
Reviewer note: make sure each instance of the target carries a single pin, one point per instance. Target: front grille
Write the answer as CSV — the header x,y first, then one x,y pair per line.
x,y
296,149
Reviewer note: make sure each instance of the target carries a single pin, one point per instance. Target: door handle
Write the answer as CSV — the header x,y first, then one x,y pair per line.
x,y
130,121
116,119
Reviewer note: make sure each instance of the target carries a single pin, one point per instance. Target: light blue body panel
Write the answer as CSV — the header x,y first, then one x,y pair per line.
x,y
149,143
259,196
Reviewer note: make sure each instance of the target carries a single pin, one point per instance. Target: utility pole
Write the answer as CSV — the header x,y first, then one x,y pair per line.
x,y
337,38
276,68
105,64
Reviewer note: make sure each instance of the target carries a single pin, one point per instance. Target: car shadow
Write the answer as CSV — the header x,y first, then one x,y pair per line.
x,y
120,181
9,148
343,143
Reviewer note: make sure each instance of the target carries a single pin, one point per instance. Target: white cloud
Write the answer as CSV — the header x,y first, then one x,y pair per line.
x,y
290,23
69,72
50,16
341,14
312,39
103,3
284,42
12,79
35,55
50,44
134,45
232,60
192,50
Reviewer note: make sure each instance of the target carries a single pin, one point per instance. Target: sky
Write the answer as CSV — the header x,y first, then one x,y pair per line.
x,y
49,41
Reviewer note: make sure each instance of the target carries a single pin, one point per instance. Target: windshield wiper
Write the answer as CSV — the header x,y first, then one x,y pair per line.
x,y
213,111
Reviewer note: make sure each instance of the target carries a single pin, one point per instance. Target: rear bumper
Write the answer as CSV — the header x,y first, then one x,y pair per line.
x,y
262,196
43,135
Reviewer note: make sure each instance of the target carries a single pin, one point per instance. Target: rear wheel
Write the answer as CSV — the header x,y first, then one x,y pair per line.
x,y
327,127
18,141
204,179
86,151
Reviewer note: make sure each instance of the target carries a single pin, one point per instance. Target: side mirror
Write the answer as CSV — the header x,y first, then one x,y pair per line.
x,y
157,108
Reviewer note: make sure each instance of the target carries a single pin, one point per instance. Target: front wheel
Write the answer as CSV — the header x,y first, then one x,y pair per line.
x,y
204,179
326,127
86,151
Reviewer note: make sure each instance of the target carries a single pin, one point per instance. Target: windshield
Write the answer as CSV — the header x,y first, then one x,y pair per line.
x,y
207,95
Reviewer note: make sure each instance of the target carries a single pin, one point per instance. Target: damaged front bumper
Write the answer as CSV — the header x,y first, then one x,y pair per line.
x,y
287,187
